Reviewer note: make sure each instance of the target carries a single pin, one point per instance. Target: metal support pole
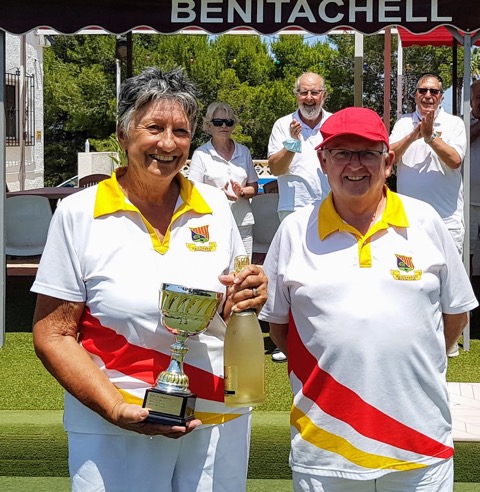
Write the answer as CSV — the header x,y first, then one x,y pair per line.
x,y
118,79
467,44
387,63
399,77
3,166
358,71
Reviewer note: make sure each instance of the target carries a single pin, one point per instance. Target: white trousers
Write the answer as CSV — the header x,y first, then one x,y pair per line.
x,y
436,478
206,460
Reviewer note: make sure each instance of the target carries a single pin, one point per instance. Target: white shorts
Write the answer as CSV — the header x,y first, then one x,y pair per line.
x,y
209,458
436,478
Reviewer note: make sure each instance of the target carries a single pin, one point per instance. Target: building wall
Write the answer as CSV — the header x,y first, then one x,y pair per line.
x,y
33,155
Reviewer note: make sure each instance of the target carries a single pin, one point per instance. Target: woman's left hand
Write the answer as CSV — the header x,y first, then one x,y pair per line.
x,y
246,290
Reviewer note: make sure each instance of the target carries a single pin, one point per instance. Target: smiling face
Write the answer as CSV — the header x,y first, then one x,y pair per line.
x,y
158,141
355,180
428,102
311,95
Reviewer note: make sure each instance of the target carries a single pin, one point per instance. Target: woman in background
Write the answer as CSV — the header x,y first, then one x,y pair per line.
x,y
228,165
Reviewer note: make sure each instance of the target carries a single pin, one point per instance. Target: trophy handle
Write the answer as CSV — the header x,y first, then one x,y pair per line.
x,y
173,379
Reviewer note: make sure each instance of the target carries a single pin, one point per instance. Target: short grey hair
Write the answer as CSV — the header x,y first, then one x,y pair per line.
x,y
154,84
427,76
297,82
212,109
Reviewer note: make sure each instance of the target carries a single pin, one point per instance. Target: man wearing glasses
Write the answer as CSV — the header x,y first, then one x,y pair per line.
x,y
292,156
367,292
429,147
291,148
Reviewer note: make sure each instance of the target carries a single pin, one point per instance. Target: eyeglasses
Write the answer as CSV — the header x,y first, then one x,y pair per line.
x,y
314,93
221,121
424,90
366,157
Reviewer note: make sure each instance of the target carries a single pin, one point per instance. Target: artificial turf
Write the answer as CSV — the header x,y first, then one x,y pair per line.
x,y
33,446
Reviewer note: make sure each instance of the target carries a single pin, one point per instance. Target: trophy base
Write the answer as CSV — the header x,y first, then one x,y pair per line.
x,y
169,408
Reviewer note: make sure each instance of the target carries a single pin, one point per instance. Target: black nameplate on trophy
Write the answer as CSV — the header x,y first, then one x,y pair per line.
x,y
169,408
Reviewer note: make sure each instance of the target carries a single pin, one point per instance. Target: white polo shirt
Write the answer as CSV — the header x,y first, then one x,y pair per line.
x,y
422,174
305,181
208,166
102,252
366,348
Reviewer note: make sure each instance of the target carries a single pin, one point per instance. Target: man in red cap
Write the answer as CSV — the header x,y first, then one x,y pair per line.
x,y
366,294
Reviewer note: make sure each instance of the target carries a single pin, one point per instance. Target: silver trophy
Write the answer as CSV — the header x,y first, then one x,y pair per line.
x,y
185,312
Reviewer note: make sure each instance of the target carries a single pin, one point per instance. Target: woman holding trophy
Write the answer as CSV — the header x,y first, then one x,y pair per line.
x,y
113,251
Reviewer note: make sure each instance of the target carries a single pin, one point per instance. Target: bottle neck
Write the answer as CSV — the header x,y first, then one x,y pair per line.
x,y
245,311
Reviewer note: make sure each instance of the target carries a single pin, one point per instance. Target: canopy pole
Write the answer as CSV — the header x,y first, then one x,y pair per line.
x,y
358,71
23,109
399,77
3,187
454,76
387,63
467,44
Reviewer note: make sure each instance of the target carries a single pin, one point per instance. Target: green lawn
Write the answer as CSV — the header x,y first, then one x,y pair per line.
x,y
33,446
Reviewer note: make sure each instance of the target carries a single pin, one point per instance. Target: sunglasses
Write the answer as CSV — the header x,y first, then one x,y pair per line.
x,y
221,121
433,92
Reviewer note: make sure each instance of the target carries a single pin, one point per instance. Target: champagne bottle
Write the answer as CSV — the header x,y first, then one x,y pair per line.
x,y
244,357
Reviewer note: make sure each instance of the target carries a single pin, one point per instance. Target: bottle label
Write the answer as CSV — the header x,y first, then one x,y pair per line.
x,y
230,379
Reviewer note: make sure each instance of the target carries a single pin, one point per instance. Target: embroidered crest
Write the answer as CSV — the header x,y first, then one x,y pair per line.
x,y
405,267
404,263
201,239
200,234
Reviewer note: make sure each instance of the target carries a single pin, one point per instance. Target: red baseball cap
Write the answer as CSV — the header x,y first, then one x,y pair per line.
x,y
362,122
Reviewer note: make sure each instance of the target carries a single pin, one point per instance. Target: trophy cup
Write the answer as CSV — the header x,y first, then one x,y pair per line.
x,y
185,312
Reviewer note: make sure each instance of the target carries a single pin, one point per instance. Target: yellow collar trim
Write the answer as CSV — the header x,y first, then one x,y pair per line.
x,y
111,199
329,221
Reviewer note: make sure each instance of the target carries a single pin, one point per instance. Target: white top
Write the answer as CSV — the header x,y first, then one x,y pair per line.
x,y
102,252
208,166
474,168
366,348
420,172
305,181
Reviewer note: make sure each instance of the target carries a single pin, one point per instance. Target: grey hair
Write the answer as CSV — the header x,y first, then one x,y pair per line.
x,y
297,82
427,76
151,85
213,108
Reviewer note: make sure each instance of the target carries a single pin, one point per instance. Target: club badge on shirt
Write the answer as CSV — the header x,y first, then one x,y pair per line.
x,y
405,267
201,239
